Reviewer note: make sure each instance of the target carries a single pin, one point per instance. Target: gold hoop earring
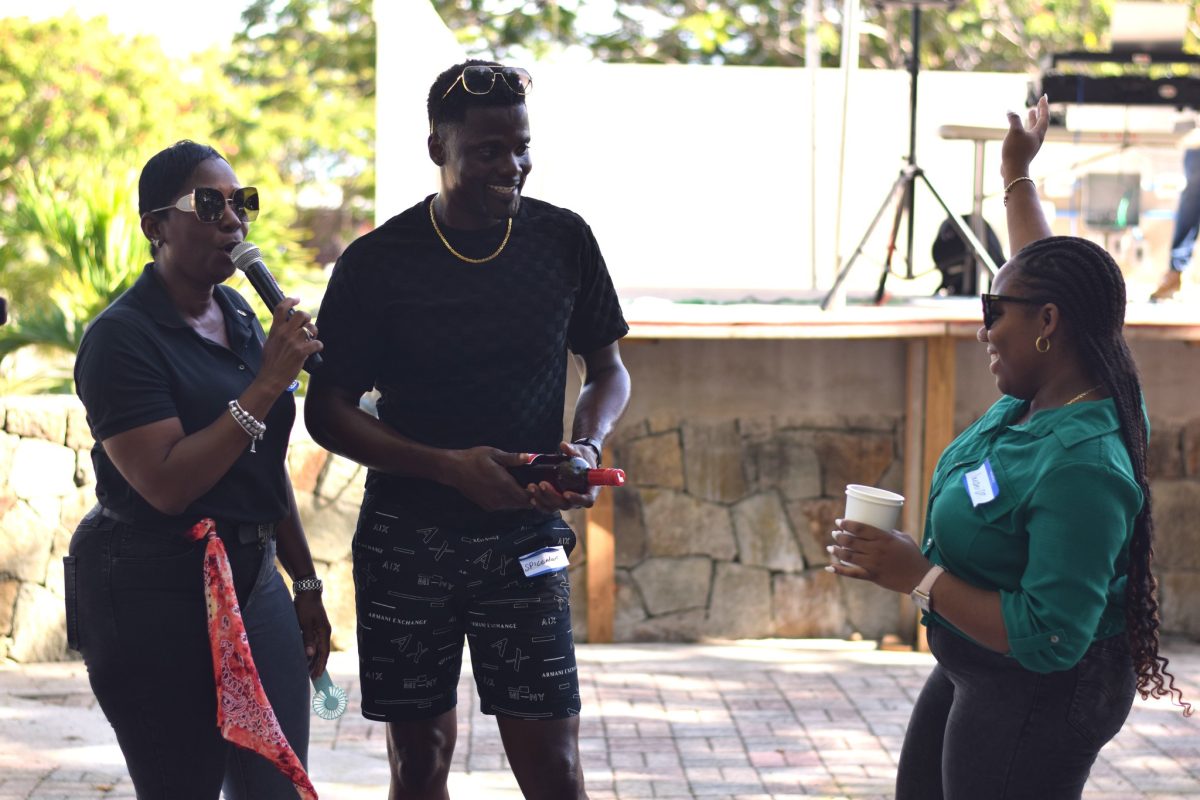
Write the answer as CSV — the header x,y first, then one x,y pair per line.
x,y
1041,345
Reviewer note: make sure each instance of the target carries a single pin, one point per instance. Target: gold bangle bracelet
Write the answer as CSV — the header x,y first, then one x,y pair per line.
x,y
1014,182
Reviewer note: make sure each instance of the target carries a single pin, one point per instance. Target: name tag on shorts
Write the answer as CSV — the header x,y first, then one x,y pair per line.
x,y
548,559
981,485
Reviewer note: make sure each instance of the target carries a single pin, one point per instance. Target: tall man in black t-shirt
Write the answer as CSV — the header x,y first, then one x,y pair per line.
x,y
461,311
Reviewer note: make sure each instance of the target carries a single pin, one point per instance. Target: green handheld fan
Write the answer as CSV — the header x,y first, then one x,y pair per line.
x,y
329,701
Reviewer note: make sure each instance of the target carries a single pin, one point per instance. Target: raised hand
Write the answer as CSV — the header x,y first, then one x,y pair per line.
x,y
1023,140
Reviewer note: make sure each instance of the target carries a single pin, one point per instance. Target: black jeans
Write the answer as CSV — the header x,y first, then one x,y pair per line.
x,y
136,611
986,728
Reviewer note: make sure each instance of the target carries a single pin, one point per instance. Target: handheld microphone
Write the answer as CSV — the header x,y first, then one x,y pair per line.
x,y
248,259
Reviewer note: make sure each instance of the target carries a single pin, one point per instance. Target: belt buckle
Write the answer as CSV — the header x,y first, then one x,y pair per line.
x,y
265,529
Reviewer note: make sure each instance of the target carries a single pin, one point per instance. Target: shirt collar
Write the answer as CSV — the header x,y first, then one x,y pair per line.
x,y
238,321
152,295
1072,423
1000,413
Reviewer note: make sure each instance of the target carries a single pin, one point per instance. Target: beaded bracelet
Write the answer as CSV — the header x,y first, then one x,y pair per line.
x,y
1014,182
253,428
309,584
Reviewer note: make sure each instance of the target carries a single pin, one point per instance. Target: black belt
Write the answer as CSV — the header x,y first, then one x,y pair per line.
x,y
246,532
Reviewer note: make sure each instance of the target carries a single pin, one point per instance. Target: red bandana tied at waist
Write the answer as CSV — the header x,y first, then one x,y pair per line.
x,y
244,714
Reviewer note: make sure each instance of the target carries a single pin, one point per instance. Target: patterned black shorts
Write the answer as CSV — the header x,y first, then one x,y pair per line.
x,y
422,584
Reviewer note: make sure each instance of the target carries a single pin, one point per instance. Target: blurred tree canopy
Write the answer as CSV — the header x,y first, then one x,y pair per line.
x,y
82,109
310,68
967,35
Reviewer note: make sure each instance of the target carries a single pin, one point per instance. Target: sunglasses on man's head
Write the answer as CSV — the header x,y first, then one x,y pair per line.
x,y
481,79
209,204
989,305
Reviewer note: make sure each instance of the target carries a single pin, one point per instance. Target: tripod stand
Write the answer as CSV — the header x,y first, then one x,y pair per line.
x,y
905,188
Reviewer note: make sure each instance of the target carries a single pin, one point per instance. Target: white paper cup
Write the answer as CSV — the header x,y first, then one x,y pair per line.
x,y
872,506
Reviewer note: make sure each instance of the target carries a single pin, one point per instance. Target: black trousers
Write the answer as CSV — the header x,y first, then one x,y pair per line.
x,y
136,611
986,728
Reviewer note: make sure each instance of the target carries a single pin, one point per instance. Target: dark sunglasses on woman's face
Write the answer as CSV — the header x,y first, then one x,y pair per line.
x,y
209,204
989,309
481,79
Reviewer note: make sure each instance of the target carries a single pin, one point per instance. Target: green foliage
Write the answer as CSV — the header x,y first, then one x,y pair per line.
x,y
72,91
988,34
969,35
81,110
84,248
309,65
495,27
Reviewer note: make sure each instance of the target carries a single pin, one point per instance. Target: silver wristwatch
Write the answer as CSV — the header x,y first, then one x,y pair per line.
x,y
920,594
312,584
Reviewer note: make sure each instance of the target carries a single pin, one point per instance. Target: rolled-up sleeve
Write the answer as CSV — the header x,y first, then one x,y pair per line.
x,y
1079,520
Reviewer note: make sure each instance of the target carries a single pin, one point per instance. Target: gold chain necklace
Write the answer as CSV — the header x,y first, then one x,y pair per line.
x,y
459,255
1080,396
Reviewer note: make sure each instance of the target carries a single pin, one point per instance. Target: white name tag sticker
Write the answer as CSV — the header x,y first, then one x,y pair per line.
x,y
548,559
981,485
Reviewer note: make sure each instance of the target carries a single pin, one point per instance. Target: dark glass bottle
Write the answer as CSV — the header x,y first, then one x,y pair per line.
x,y
565,473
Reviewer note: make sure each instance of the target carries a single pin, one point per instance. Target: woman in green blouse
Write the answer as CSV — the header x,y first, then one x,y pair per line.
x,y
1034,571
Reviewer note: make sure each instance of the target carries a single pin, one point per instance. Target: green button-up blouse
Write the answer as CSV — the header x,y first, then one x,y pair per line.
x,y
1054,540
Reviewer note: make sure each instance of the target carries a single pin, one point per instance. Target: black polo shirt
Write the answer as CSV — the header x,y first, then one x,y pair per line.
x,y
139,362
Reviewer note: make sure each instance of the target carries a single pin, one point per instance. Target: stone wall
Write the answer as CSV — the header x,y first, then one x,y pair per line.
x,y
737,453
47,484
722,532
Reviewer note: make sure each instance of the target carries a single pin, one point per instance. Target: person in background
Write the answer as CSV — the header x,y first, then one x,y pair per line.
x,y
1187,222
190,407
1033,572
462,312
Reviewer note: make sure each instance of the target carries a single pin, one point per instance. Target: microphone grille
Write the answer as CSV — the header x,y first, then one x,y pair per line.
x,y
244,254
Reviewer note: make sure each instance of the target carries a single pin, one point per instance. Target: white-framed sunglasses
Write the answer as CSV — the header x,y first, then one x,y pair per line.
x,y
208,204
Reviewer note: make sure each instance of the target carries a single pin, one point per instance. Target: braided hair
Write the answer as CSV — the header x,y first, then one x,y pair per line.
x,y
1082,279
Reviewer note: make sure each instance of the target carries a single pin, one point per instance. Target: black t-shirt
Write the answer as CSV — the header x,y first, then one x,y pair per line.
x,y
463,354
139,362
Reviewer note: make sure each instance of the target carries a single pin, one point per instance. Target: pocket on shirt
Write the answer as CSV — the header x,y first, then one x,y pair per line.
x,y
1006,495
1105,684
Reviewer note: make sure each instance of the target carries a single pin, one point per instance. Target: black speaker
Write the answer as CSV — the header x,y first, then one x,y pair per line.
x,y
956,261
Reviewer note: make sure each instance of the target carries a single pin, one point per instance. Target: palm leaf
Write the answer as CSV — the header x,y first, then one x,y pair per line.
x,y
84,247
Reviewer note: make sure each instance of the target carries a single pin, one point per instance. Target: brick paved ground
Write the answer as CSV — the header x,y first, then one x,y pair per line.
x,y
748,720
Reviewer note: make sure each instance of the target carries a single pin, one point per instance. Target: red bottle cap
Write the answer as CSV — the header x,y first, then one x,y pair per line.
x,y
606,477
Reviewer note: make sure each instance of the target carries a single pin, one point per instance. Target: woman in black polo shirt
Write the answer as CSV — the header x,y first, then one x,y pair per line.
x,y
190,409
